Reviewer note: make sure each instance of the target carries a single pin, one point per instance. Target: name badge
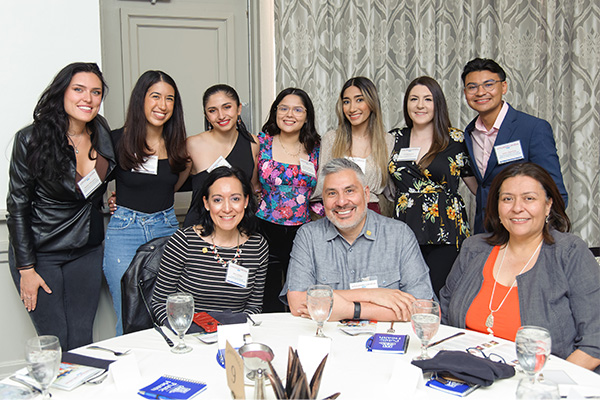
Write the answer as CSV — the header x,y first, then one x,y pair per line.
x,y
237,275
408,154
366,284
150,166
221,162
308,168
361,162
509,152
89,183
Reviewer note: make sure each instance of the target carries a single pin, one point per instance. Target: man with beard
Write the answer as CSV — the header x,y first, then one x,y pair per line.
x,y
373,263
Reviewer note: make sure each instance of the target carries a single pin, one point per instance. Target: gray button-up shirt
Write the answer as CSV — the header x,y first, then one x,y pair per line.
x,y
385,250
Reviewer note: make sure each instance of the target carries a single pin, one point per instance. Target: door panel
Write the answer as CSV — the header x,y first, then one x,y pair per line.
x,y
199,43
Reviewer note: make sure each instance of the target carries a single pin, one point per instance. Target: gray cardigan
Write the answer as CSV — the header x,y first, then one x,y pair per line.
x,y
560,293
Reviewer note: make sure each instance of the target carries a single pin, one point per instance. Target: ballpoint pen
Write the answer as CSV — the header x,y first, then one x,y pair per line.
x,y
444,339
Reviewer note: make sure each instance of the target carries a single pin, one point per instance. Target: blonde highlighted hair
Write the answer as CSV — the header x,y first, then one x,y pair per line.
x,y
342,144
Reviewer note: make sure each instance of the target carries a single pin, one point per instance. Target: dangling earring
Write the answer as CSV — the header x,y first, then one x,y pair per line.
x,y
547,218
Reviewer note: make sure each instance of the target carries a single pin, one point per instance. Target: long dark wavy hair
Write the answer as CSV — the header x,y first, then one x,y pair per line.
x,y
249,224
441,118
308,133
229,92
557,218
49,154
133,149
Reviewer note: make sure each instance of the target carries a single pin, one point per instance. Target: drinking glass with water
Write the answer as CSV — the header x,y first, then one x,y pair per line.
x,y
425,318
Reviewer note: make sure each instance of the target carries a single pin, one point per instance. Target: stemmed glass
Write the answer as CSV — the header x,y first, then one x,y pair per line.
x,y
319,300
425,322
533,345
180,312
43,356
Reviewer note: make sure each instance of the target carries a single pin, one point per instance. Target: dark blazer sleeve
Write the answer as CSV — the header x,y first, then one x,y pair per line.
x,y
21,189
542,151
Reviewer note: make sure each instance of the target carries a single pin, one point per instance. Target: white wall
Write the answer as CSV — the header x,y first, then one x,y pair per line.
x,y
38,38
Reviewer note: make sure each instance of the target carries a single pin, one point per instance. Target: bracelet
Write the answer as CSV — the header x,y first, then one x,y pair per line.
x,y
356,310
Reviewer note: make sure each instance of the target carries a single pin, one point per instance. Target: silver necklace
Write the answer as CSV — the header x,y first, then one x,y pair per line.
x,y
288,153
489,321
70,138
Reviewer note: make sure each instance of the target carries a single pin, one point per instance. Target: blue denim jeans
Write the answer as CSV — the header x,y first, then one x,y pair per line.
x,y
126,231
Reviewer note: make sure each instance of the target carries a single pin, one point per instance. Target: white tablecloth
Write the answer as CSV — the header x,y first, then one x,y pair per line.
x,y
350,369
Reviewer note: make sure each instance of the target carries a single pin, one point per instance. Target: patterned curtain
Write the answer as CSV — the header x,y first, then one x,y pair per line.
x,y
550,50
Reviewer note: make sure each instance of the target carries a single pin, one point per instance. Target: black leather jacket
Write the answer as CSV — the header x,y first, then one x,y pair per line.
x,y
46,216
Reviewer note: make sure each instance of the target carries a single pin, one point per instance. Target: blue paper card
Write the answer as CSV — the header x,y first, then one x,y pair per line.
x,y
388,343
171,387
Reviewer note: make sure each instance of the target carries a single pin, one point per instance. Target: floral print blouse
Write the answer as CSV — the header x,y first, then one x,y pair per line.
x,y
286,190
428,200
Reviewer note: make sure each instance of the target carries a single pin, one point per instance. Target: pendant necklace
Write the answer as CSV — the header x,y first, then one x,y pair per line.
x,y
70,137
286,152
489,321
218,257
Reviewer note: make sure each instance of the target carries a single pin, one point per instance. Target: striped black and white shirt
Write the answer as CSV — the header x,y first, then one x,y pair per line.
x,y
189,265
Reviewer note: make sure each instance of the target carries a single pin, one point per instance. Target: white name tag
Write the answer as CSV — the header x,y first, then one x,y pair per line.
x,y
509,152
308,168
221,162
89,183
150,166
237,275
369,284
408,154
361,162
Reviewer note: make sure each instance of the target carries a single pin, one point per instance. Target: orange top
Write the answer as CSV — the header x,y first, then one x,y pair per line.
x,y
507,319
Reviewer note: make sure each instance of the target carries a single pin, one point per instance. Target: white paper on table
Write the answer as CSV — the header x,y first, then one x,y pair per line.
x,y
233,333
126,374
486,343
405,379
578,392
311,351
558,377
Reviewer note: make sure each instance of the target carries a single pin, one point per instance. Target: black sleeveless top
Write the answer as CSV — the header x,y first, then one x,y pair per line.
x,y
240,157
145,192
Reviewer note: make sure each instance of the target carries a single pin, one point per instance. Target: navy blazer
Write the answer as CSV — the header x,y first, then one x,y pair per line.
x,y
537,143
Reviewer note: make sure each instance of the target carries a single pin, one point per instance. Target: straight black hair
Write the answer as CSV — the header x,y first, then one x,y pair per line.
x,y
133,149
483,64
308,133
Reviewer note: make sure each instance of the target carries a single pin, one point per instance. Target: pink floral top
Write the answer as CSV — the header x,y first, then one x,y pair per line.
x,y
285,188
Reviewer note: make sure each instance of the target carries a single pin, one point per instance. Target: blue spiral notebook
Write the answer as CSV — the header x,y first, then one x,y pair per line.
x,y
388,343
172,387
460,389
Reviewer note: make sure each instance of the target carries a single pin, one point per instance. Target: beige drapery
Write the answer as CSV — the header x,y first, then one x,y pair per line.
x,y
550,50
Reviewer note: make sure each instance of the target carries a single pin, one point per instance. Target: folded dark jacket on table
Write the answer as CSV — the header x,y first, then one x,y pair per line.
x,y
465,366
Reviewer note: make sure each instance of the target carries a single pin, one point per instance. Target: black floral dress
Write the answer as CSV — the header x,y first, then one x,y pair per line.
x,y
428,201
